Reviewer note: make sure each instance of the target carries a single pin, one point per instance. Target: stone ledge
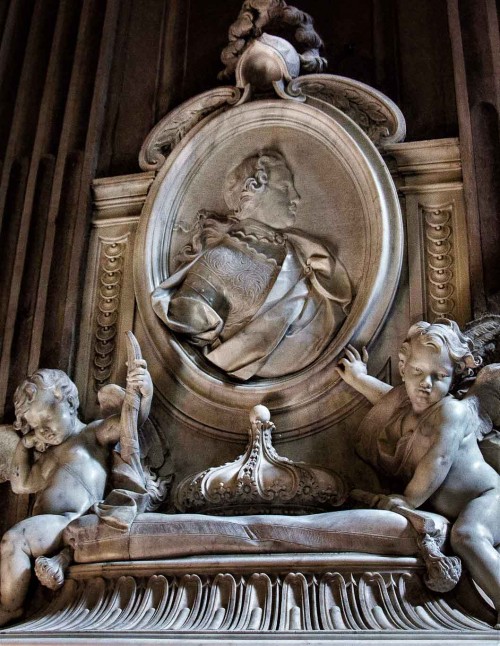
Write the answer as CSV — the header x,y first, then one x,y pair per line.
x,y
254,639
254,597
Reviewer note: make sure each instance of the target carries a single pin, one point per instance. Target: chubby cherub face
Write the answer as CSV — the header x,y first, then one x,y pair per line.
x,y
428,375
51,419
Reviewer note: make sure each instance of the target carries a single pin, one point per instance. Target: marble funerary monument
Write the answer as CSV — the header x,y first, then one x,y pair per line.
x,y
254,475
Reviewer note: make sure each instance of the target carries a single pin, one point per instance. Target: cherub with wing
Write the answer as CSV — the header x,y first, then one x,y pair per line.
x,y
421,434
65,464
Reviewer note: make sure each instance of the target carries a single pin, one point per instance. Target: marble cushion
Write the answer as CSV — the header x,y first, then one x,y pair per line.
x,y
154,536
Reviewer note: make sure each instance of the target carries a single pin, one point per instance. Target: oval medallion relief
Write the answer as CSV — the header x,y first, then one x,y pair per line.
x,y
271,238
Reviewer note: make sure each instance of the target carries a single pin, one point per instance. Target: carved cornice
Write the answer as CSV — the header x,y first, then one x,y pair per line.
x,y
261,481
320,592
431,164
120,197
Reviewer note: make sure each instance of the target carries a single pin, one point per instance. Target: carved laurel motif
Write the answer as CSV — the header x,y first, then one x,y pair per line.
x,y
374,113
439,261
174,127
110,281
385,600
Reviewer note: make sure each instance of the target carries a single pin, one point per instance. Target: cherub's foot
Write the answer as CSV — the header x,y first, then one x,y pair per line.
x,y
6,616
50,571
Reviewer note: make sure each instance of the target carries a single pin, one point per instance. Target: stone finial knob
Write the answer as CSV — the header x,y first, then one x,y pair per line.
x,y
259,413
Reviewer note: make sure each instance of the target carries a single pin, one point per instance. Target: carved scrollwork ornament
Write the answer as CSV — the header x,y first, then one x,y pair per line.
x,y
176,124
379,117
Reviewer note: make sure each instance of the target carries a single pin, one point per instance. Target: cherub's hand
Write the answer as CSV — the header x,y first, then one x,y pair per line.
x,y
140,379
352,366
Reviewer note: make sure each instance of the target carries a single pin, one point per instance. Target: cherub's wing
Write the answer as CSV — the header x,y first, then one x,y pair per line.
x,y
486,391
485,333
8,442
484,399
154,445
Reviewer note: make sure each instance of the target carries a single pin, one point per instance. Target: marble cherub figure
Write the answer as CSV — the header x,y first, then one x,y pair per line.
x,y
258,297
422,435
65,463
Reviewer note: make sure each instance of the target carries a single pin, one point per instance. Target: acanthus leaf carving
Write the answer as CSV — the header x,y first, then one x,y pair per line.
x,y
374,113
383,599
170,130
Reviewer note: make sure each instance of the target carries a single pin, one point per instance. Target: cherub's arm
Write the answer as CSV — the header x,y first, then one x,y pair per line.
x,y
353,371
108,430
26,476
436,463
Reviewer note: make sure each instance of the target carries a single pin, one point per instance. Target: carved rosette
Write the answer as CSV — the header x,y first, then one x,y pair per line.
x,y
261,481
108,304
439,260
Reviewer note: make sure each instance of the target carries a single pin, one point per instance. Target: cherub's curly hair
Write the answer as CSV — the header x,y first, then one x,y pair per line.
x,y
447,333
48,379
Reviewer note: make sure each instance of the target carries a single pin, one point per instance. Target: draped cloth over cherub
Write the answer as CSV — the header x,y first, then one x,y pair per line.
x,y
382,441
260,302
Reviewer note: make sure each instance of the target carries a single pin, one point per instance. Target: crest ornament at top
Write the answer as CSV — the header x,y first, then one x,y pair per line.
x,y
279,19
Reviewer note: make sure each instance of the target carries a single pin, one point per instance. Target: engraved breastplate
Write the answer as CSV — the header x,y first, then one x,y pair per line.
x,y
243,276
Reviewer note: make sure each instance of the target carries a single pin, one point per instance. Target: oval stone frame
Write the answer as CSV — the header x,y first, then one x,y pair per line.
x,y
315,398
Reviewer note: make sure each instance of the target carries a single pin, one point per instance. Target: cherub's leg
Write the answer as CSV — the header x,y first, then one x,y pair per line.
x,y
475,537
30,538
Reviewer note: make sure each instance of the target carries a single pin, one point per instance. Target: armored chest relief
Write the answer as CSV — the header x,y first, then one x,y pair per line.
x,y
243,275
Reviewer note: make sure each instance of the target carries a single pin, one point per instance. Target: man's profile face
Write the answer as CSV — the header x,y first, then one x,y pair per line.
x,y
276,205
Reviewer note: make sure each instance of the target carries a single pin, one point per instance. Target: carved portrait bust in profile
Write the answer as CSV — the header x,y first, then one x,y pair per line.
x,y
257,296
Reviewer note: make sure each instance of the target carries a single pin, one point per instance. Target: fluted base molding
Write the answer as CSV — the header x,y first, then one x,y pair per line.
x,y
294,598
